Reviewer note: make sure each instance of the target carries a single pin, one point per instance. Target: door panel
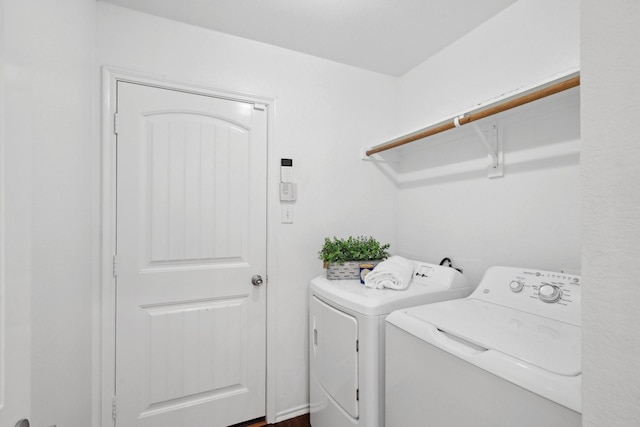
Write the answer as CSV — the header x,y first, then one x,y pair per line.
x,y
197,186
191,232
180,366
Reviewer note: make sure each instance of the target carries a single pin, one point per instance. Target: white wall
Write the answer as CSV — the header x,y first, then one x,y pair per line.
x,y
49,146
325,112
530,217
526,43
611,212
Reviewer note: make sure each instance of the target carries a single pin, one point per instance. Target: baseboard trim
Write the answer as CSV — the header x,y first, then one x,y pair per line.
x,y
292,413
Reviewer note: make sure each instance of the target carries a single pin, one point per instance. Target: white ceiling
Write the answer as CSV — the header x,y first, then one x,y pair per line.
x,y
387,36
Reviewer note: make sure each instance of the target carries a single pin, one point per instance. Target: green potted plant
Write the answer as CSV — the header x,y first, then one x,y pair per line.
x,y
342,257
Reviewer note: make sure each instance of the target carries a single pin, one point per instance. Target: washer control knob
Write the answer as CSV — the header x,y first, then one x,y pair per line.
x,y
549,293
516,285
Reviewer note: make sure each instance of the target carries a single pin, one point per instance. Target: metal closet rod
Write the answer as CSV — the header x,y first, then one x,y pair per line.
x,y
478,114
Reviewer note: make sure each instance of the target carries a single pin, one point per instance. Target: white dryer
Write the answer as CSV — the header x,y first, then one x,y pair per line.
x,y
507,355
346,326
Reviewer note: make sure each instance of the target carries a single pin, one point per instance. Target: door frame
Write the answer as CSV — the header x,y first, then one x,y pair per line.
x,y
104,356
15,288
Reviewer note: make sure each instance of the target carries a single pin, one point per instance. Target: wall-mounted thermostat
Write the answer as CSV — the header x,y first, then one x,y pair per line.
x,y
286,170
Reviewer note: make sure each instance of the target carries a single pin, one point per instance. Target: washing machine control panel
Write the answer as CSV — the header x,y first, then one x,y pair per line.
x,y
551,294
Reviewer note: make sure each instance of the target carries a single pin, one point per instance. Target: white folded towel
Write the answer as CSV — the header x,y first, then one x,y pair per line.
x,y
392,273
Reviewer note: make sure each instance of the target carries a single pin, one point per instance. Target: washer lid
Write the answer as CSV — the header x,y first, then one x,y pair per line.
x,y
354,296
548,344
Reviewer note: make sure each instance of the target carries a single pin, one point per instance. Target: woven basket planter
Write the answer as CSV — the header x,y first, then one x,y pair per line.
x,y
346,271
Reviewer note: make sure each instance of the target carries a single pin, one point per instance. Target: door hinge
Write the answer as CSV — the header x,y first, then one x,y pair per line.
x,y
115,266
115,123
113,408
357,346
358,394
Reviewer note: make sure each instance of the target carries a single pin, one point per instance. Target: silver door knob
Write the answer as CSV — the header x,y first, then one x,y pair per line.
x,y
257,280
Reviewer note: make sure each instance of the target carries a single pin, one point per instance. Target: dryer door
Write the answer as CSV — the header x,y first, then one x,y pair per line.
x,y
334,356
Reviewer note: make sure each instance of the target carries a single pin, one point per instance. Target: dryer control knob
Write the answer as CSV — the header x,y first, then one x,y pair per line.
x,y
549,293
516,286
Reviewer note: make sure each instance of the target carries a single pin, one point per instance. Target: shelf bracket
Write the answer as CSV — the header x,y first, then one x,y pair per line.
x,y
493,144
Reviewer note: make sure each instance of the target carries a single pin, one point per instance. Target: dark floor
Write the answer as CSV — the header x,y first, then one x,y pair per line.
x,y
301,421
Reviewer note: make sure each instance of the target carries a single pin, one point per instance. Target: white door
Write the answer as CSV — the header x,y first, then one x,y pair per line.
x,y
191,233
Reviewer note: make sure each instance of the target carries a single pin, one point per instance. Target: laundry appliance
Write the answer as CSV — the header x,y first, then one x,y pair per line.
x,y
346,321
507,355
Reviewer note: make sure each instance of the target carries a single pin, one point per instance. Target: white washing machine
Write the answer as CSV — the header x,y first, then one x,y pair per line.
x,y
346,323
508,355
